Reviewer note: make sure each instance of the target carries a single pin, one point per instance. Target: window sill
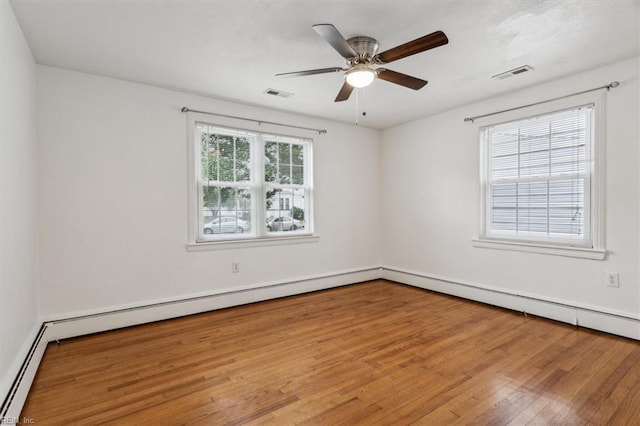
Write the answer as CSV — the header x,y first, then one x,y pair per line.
x,y
253,242
580,252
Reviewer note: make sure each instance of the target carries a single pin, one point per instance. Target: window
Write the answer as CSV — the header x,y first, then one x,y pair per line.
x,y
538,180
284,177
249,185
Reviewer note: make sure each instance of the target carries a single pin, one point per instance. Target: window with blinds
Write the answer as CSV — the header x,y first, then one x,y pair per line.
x,y
538,174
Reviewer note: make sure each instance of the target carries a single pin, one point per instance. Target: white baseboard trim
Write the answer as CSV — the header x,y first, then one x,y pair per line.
x,y
619,323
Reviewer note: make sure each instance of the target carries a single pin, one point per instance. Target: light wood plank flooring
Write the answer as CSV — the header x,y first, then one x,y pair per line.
x,y
370,353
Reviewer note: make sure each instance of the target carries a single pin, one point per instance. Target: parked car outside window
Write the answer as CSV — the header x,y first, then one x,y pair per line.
x,y
283,223
225,225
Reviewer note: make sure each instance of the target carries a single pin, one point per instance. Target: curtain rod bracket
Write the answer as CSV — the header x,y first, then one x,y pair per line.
x,y
608,87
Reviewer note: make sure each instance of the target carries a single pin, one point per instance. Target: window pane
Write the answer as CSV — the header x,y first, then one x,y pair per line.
x,y
284,153
568,144
505,166
224,158
568,160
504,152
285,210
209,155
532,207
284,163
297,154
567,221
534,137
210,202
270,172
226,210
297,175
271,162
243,160
534,163
226,170
503,214
284,174
566,211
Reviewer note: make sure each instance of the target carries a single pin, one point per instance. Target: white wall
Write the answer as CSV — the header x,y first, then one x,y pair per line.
x,y
114,215
431,195
19,319
113,198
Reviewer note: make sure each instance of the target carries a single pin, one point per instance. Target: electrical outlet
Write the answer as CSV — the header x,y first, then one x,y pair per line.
x,y
613,279
235,267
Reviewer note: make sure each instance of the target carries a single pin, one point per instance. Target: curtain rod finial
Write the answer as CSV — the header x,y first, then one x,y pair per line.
x,y
184,109
467,120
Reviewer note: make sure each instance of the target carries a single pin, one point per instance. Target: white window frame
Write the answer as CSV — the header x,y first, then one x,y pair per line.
x,y
594,200
259,236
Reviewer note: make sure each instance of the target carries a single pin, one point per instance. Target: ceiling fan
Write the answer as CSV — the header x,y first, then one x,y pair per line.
x,y
361,53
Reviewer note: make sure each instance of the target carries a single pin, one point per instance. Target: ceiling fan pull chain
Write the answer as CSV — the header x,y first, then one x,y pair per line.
x,y
357,102
364,102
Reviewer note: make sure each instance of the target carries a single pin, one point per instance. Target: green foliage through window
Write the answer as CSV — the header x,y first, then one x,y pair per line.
x,y
225,158
284,163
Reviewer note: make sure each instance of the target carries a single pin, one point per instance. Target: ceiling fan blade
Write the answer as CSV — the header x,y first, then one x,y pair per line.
x,y
401,79
344,93
310,72
418,45
335,39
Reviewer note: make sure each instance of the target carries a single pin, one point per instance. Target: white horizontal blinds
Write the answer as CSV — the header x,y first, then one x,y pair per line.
x,y
539,176
225,179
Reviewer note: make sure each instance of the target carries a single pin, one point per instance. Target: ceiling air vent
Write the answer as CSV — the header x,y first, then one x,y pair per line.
x,y
280,93
512,72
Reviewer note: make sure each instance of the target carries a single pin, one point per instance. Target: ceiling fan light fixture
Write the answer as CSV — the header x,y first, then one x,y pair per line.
x,y
360,76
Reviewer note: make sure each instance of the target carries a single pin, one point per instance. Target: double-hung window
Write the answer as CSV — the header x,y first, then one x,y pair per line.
x,y
539,185
247,185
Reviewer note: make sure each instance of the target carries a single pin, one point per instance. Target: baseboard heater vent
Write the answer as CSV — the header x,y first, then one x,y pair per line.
x,y
23,369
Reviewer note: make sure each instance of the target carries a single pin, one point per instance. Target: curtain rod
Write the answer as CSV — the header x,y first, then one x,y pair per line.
x,y
608,87
320,131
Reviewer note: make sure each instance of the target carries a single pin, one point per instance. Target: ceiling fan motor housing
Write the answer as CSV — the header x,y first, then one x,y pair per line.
x,y
365,47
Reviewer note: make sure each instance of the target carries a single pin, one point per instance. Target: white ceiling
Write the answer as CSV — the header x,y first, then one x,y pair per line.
x,y
232,49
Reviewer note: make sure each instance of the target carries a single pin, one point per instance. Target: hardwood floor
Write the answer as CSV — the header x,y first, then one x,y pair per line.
x,y
370,353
